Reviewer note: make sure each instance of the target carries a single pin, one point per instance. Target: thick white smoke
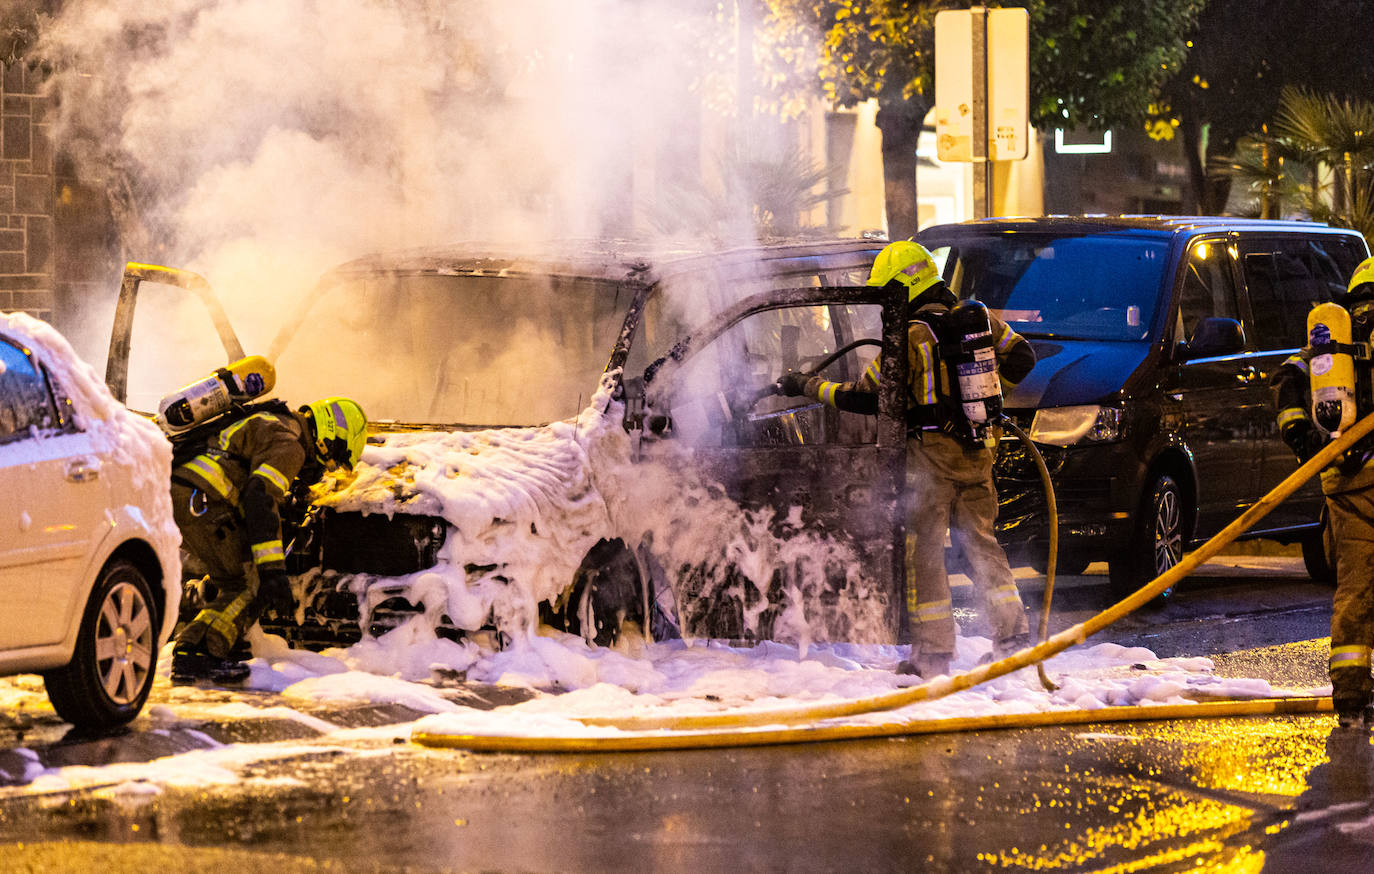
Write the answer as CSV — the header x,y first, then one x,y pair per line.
x,y
279,137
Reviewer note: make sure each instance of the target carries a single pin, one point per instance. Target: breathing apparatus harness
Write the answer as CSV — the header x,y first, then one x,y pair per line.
x,y
1341,373
968,392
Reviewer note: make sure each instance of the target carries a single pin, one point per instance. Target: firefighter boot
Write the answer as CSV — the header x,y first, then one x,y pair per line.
x,y
191,664
927,666
1353,715
1352,705
1014,644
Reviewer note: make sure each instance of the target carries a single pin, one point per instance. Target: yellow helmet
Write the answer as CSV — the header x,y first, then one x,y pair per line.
x,y
340,429
907,262
1363,275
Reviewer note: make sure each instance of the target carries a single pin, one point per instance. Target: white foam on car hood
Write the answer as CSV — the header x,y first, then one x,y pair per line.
x,y
526,505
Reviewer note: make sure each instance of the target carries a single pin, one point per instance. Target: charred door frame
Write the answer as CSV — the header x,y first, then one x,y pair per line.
x,y
891,431
121,334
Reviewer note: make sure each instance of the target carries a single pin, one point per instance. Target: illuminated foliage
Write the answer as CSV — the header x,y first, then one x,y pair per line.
x,y
1242,56
1093,64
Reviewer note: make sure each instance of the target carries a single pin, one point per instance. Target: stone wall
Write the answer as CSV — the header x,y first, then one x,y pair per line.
x,y
27,194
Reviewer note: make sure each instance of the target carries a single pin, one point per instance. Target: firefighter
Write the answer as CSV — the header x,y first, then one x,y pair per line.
x,y
949,484
1348,485
227,502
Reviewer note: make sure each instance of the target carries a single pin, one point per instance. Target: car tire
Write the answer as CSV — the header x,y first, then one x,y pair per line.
x,y
111,672
1156,542
1319,554
1066,565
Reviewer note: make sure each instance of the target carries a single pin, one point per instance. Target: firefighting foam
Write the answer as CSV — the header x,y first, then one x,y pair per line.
x,y
525,506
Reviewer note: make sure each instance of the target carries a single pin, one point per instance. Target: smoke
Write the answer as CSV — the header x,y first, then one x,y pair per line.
x,y
261,141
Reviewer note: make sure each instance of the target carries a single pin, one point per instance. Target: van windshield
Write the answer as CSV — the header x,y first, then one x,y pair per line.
x,y
1084,286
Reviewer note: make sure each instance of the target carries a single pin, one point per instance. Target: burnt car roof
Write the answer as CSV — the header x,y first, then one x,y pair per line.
x,y
639,262
1161,224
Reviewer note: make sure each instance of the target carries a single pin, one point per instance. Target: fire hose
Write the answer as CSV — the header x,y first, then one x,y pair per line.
x,y
739,728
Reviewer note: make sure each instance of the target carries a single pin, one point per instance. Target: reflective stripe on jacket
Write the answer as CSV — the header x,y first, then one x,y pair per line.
x,y
265,448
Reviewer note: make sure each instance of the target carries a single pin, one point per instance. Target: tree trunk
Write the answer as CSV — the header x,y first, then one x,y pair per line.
x,y
900,124
1191,131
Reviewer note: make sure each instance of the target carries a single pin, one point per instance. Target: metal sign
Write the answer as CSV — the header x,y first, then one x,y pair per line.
x,y
982,60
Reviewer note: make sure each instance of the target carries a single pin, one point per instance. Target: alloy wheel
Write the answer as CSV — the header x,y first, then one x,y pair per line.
x,y
124,648
1168,527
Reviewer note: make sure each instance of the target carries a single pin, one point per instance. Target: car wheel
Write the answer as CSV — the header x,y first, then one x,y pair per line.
x,y
1067,564
1156,543
606,592
1319,553
111,672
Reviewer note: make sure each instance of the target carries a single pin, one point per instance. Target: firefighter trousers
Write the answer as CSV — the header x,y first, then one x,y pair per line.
x,y
212,531
950,488
1351,516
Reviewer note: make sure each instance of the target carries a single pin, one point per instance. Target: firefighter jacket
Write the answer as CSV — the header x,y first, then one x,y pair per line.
x,y
252,465
931,400
1292,388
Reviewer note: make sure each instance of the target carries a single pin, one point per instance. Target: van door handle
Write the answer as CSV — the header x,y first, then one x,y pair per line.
x,y
83,470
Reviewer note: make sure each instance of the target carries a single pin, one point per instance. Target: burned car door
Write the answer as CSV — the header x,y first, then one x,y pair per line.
x,y
821,486
175,339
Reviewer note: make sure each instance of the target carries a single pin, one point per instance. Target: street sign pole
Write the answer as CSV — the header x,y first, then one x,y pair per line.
x,y
982,74
982,169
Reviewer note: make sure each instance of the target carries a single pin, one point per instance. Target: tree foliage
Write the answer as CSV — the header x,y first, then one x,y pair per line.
x,y
1243,54
1280,169
1094,63
1102,64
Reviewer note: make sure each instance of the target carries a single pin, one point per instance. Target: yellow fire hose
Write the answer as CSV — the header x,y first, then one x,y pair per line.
x,y
691,740
733,721
1052,559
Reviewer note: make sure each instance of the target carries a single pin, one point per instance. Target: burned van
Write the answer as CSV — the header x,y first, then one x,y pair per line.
x,y
1155,339
589,439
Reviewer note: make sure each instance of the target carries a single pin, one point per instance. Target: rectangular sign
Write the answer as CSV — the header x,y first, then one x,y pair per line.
x,y
1008,84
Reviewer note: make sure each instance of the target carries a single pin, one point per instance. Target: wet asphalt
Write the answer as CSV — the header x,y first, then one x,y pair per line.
x,y
1255,793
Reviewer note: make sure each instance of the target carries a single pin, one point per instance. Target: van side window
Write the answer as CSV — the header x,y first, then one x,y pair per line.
x,y
1208,290
1284,283
1282,289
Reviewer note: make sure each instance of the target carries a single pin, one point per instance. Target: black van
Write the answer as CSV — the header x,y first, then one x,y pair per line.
x,y
1156,337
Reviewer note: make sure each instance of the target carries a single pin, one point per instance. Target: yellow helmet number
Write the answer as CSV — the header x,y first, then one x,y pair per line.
x,y
340,430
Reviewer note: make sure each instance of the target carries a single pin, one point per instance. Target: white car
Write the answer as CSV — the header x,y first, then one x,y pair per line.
x,y
89,566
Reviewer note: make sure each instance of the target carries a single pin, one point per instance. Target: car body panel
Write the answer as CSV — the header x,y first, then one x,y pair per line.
x,y
844,491
60,498
73,500
1072,372
1205,419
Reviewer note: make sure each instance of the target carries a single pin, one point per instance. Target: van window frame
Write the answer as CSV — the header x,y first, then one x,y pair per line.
x,y
1169,330
1272,243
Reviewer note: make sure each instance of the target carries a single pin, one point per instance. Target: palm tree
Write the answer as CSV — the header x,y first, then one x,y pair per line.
x,y
1338,133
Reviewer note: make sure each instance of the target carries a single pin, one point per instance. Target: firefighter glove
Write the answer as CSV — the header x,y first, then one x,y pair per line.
x,y
274,588
793,383
1303,439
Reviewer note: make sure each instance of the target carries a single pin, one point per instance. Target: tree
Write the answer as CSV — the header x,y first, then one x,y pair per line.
x,y
1283,164
1242,55
1093,63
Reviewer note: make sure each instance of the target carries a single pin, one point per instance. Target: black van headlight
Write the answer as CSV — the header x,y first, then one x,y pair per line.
x,y
1067,426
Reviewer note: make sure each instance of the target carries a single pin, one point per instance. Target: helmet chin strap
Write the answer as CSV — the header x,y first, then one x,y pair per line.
x,y
1362,320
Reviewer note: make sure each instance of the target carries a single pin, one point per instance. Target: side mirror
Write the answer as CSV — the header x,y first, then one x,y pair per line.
x,y
1215,336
